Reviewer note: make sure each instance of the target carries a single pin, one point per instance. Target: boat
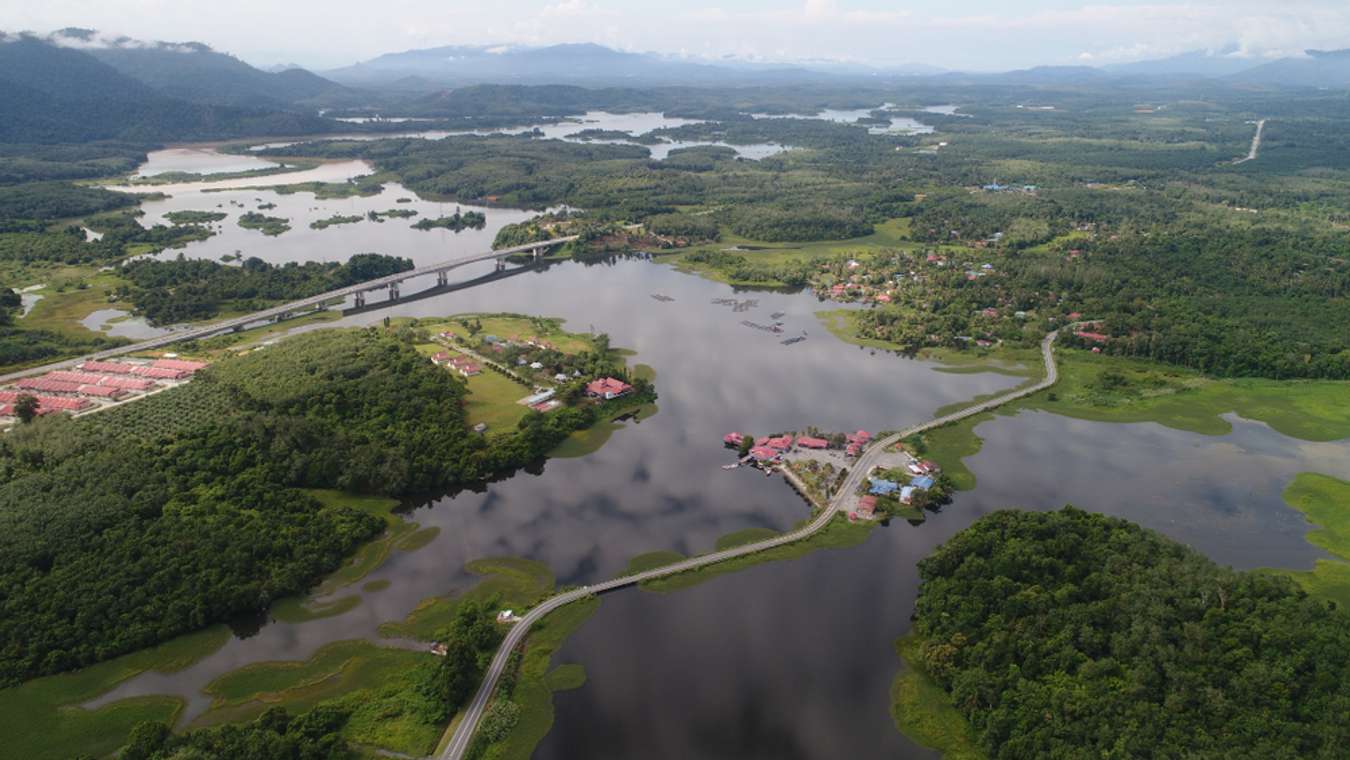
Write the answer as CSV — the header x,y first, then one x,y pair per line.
x,y
730,466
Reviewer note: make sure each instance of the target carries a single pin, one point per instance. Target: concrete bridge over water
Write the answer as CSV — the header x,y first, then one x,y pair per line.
x,y
357,292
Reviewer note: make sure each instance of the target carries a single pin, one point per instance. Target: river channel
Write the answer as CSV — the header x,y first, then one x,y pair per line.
x,y
784,660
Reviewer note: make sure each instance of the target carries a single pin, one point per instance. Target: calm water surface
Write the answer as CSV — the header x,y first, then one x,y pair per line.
x,y
785,660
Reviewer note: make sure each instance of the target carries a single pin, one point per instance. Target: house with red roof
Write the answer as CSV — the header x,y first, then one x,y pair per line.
x,y
781,443
763,454
733,439
867,506
809,442
607,388
1095,337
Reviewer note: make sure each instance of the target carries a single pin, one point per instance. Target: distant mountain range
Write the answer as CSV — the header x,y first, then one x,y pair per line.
x,y
194,72
596,65
60,93
587,64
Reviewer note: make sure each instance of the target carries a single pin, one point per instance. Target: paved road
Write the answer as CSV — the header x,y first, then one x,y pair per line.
x,y
460,740
287,308
1256,143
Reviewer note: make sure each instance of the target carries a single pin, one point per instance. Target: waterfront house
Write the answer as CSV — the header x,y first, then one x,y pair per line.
x,y
923,482
733,439
809,442
781,443
763,454
607,388
867,506
907,495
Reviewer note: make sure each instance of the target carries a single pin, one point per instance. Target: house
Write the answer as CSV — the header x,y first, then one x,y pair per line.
x,y
839,290
465,366
480,428
809,442
1095,337
561,377
881,487
854,449
733,439
861,438
538,398
883,298
441,358
923,483
867,506
763,454
929,466
907,495
180,364
781,443
607,388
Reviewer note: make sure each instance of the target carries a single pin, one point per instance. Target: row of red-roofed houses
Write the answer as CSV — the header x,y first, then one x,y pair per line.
x,y
72,390
772,447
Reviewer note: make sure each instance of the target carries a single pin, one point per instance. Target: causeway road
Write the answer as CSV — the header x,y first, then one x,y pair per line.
x,y
1256,144
460,741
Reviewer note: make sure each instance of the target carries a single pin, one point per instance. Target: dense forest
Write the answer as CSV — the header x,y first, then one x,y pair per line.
x,y
182,290
275,735
1069,634
124,529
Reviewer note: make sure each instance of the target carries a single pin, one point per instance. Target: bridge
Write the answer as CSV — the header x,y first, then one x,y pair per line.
x,y
358,291
461,739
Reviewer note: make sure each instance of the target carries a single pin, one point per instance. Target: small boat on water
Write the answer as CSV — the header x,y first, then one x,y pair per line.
x,y
731,466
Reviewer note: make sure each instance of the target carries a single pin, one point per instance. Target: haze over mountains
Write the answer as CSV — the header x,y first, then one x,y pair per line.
x,y
122,88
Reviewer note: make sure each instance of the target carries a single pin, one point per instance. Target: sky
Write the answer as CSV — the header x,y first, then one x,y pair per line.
x,y
972,35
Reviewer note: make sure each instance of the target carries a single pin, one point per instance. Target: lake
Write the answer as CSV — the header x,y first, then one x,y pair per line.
x,y
783,660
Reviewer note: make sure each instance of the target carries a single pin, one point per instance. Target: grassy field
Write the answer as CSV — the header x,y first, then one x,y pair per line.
x,y
924,712
516,583
1325,502
492,400
364,678
70,295
513,326
891,234
41,720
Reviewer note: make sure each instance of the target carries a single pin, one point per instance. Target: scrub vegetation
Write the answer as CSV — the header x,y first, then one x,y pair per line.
x,y
1325,502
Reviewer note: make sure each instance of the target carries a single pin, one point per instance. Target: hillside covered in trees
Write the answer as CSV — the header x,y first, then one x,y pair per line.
x,y
1069,634
126,528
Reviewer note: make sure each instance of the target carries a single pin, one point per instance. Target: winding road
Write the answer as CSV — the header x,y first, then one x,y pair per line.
x,y
463,735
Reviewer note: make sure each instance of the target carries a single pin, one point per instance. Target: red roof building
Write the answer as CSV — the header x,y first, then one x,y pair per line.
x,y
440,357
781,443
733,439
1095,337
47,386
607,388
763,454
159,373
102,391
867,506
112,368
183,364
809,442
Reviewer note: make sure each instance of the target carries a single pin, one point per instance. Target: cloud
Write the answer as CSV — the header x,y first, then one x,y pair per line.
x,y
567,8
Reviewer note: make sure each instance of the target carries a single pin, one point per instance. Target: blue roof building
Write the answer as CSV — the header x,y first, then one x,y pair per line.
x,y
884,487
923,482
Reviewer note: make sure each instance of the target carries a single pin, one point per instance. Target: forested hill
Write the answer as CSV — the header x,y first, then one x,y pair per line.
x,y
126,528
1070,634
51,94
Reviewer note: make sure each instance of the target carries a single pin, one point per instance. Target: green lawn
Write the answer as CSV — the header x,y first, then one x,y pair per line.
x,y
924,712
492,400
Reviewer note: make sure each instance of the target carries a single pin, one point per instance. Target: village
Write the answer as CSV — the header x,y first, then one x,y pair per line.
x,y
551,375
93,386
901,484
